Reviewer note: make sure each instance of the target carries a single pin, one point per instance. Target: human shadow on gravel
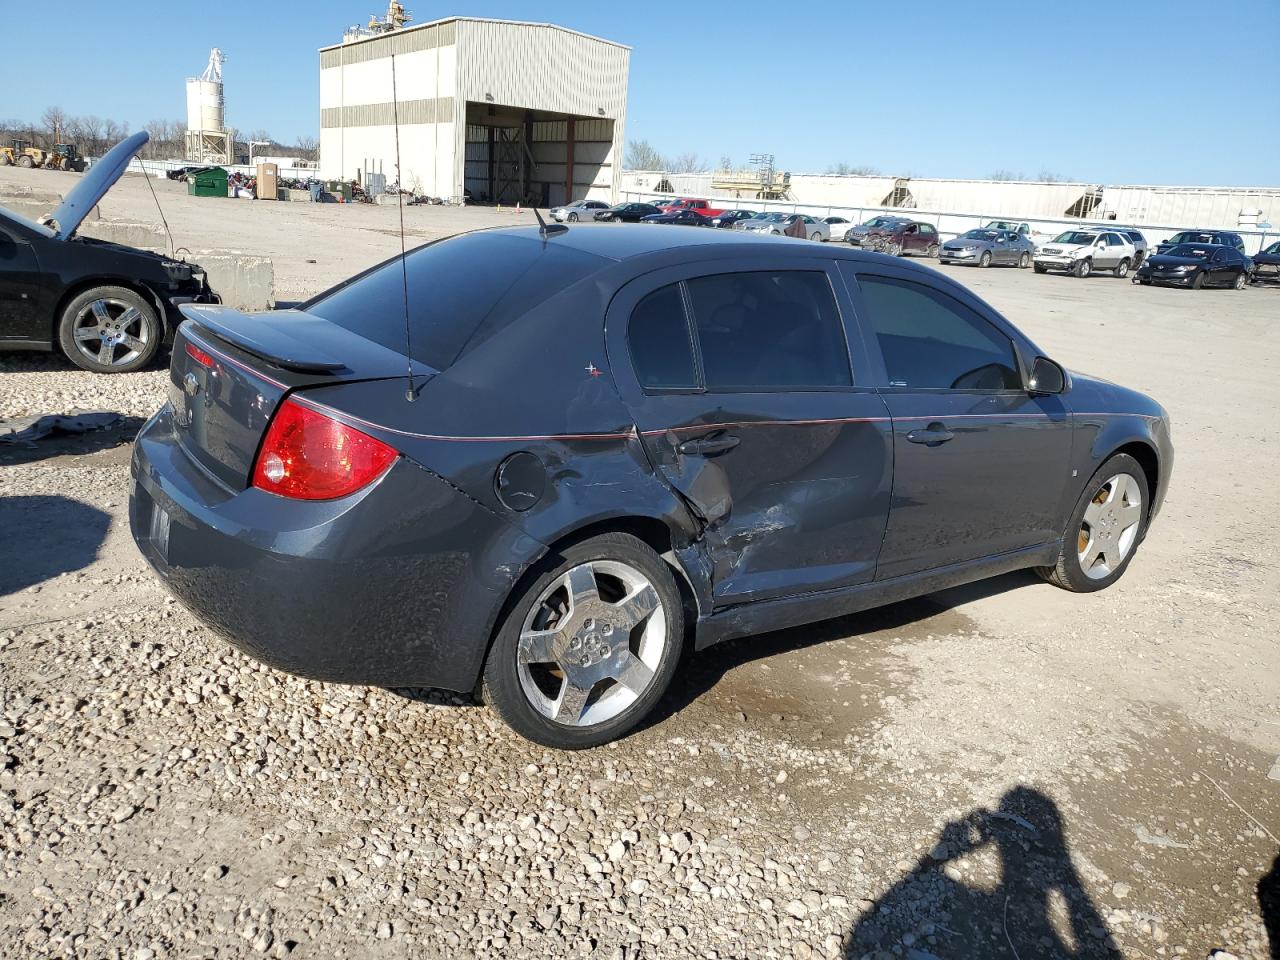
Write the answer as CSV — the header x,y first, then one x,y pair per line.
x,y
1038,908
702,671
1269,903
45,536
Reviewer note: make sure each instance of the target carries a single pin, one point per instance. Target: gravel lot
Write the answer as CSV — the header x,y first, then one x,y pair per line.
x,y
990,771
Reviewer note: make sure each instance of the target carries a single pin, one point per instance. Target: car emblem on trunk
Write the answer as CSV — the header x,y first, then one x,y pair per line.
x,y
190,385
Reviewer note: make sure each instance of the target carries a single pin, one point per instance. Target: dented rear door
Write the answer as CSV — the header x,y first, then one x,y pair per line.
x,y
741,384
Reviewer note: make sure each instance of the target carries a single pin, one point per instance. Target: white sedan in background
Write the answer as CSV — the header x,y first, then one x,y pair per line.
x,y
579,210
839,226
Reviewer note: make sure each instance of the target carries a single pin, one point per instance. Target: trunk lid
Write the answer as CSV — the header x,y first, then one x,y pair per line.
x,y
230,371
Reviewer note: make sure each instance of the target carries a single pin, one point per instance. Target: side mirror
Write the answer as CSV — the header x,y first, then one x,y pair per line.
x,y
1046,377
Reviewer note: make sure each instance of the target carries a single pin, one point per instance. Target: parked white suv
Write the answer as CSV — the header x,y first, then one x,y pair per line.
x,y
1081,252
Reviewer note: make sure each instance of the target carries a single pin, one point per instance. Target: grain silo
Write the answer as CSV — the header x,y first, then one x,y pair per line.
x,y
207,137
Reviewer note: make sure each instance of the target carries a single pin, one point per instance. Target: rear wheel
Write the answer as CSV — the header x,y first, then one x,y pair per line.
x,y
590,646
1241,280
1082,268
932,251
110,330
5,159
985,259
1105,528
1024,261
1122,268
25,161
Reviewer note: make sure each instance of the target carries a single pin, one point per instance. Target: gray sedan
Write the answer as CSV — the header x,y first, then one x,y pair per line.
x,y
985,247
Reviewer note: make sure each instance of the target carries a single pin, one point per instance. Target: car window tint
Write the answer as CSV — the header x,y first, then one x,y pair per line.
x,y
930,340
461,291
658,336
765,330
927,228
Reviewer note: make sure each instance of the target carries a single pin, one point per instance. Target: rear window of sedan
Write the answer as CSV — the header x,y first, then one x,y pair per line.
x,y
462,290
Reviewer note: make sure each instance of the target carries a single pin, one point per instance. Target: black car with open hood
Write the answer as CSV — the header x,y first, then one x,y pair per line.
x,y
107,306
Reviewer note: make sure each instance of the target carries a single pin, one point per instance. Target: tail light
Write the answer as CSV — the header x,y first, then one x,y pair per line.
x,y
309,456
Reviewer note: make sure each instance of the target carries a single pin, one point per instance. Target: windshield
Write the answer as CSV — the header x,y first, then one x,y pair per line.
x,y
31,225
880,221
461,291
980,235
774,217
1274,248
1075,236
1190,250
1191,236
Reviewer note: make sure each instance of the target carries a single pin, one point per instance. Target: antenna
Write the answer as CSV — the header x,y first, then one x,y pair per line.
x,y
548,229
404,267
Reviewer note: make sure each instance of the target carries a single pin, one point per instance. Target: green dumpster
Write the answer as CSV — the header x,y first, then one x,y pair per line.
x,y
211,182
339,188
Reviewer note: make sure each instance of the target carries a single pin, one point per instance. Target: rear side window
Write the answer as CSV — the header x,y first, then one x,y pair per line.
x,y
930,340
765,330
462,290
658,336
754,331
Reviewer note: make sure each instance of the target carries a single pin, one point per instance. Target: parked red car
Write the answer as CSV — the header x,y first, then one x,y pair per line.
x,y
689,203
902,237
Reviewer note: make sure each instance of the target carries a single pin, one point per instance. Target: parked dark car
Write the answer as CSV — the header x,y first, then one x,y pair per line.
x,y
108,307
614,441
682,218
181,174
864,234
1266,264
899,238
727,218
984,247
626,213
1197,265
1224,238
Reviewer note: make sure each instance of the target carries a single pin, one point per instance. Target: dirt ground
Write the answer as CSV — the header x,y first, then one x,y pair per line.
x,y
1002,770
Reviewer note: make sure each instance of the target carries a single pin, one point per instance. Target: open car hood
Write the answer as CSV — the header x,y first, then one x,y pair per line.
x,y
97,180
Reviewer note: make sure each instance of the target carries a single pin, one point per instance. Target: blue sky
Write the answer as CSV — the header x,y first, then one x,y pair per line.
x,y
1113,92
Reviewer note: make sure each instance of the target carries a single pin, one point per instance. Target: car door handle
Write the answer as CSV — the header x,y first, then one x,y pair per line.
x,y
708,446
934,435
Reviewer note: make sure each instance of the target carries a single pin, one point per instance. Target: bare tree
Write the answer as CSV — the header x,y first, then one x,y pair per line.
x,y
640,155
726,163
260,135
1006,175
687,163
1048,176
848,170
54,120
308,145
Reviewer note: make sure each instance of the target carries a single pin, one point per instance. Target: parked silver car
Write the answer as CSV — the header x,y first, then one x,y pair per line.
x,y
790,224
985,247
579,210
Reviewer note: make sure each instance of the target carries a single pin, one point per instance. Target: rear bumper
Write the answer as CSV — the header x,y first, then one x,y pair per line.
x,y
399,584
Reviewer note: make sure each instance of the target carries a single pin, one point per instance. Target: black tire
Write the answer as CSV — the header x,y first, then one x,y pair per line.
x,y
572,218
149,322
4,159
1241,280
1040,268
500,683
25,161
1121,268
1067,572
1024,261
1198,282
816,235
893,249
985,259
932,251
1082,268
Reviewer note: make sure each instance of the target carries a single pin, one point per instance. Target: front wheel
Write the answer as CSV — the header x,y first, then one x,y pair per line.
x,y
1024,261
1040,268
1082,268
985,259
1105,528
816,235
25,161
1198,282
1122,268
110,330
1241,280
572,218
590,646
892,249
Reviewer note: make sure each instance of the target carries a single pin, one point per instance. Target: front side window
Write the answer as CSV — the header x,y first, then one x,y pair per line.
x,y
769,329
930,340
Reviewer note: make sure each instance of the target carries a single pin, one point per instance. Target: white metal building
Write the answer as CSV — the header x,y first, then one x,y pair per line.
x,y
512,111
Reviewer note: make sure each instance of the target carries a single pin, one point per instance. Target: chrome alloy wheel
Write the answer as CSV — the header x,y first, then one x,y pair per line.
x,y
591,643
105,327
1110,527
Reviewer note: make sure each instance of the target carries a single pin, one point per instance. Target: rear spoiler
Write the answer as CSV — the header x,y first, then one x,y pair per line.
x,y
285,338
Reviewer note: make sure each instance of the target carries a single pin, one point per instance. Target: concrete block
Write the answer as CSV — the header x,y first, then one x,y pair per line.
x,y
242,281
21,191
297,196
130,233
31,209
